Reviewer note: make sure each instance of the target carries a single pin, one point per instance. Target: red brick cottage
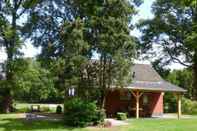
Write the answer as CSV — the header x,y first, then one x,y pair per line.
x,y
144,96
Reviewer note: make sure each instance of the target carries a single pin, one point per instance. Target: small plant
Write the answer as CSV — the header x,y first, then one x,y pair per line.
x,y
121,116
59,109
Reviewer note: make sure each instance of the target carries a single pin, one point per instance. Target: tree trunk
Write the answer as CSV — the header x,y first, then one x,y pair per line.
x,y
103,99
7,103
195,76
10,47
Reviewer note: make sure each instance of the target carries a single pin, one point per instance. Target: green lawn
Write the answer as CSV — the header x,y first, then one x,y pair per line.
x,y
13,122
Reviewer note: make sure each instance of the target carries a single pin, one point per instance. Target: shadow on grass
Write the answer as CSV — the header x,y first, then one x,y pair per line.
x,y
24,125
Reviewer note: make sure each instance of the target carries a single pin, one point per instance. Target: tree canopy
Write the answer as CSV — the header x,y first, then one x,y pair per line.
x,y
173,31
72,32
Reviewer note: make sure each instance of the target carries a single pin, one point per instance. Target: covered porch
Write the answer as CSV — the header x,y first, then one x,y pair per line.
x,y
139,102
156,103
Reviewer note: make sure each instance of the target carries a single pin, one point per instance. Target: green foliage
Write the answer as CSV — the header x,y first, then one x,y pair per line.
x,y
11,31
184,79
170,103
121,116
87,28
81,113
173,30
58,109
23,110
189,106
33,83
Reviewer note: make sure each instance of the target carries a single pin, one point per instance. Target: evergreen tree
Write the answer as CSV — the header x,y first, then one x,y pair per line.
x,y
84,29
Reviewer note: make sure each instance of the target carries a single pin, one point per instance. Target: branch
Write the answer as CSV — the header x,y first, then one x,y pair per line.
x,y
171,55
19,3
23,11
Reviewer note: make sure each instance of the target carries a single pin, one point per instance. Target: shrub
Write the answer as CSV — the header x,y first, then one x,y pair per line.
x,y
44,109
189,106
22,110
81,113
121,116
59,109
99,118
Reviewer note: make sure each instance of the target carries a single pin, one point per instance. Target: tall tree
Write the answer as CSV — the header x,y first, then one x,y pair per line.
x,y
44,27
11,23
173,31
104,29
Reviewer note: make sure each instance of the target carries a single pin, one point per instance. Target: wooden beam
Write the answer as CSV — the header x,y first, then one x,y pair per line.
x,y
179,105
137,96
137,104
133,94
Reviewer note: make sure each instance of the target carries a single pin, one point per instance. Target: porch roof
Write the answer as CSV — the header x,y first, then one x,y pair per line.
x,y
146,78
155,86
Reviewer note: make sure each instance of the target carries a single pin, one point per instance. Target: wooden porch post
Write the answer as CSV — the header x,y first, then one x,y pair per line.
x,y
179,105
137,104
137,96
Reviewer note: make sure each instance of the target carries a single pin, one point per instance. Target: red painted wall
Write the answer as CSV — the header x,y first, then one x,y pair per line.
x,y
156,103
114,104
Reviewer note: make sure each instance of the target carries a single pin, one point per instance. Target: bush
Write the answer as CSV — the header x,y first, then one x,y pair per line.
x,y
81,113
22,110
99,118
59,109
189,107
121,116
44,109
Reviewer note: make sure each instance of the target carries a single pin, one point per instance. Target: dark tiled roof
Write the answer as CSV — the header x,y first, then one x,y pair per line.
x,y
146,78
145,72
155,86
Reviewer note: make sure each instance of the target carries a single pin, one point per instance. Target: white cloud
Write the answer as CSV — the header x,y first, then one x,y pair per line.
x,y
29,50
3,55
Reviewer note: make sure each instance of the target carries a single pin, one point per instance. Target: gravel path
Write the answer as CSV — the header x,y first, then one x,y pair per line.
x,y
115,122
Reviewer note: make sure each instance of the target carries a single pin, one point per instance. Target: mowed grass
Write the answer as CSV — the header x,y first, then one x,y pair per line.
x,y
14,122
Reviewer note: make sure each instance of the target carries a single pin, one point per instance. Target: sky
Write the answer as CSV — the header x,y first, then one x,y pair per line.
x,y
144,12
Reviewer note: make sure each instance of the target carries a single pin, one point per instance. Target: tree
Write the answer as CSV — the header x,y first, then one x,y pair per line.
x,y
89,28
34,83
107,31
111,40
43,27
184,79
173,32
11,25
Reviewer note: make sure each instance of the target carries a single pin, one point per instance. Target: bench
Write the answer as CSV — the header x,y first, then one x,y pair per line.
x,y
35,108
